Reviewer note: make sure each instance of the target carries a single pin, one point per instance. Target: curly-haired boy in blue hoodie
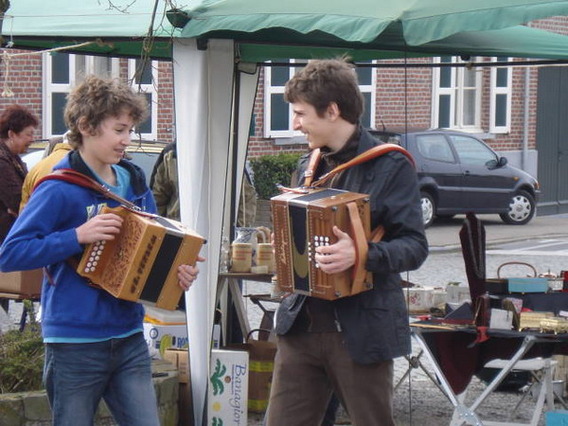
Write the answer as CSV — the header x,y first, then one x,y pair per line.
x,y
94,345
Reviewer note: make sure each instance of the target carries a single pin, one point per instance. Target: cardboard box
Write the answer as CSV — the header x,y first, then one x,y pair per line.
x,y
22,283
179,358
159,316
228,388
162,337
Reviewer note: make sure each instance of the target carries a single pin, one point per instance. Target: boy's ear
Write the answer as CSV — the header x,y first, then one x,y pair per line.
x,y
84,127
333,111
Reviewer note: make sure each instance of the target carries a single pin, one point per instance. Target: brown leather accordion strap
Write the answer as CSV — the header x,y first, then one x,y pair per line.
x,y
360,238
72,176
377,234
315,157
374,152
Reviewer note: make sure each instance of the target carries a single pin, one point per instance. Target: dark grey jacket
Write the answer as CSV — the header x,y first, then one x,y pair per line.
x,y
375,323
13,171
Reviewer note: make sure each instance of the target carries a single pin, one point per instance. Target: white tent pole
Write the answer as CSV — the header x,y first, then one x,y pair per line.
x,y
247,92
203,92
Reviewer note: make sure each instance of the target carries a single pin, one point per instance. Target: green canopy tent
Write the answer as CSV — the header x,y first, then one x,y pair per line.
x,y
268,31
210,42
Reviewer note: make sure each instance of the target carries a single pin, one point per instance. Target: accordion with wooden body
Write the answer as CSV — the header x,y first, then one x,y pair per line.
x,y
141,263
302,222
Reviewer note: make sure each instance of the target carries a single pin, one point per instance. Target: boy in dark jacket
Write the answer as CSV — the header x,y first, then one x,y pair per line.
x,y
94,345
347,346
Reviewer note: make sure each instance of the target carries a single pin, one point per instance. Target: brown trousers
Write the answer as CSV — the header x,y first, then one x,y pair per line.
x,y
310,366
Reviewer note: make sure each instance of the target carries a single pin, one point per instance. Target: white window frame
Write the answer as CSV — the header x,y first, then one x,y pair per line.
x,y
49,88
269,90
150,88
494,91
371,88
456,91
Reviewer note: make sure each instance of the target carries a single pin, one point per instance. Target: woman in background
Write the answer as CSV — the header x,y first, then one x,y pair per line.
x,y
17,128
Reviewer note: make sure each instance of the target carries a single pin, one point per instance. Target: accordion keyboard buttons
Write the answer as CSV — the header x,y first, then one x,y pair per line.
x,y
94,256
319,241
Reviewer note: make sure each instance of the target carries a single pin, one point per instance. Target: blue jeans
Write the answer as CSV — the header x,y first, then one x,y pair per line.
x,y
77,376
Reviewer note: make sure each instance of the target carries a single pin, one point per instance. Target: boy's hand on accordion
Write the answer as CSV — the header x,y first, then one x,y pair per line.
x,y
100,227
188,273
336,257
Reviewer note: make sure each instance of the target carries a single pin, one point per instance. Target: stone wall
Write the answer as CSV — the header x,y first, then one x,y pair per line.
x,y
32,408
263,214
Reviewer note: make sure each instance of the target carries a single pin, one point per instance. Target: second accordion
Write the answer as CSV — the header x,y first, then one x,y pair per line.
x,y
141,262
303,220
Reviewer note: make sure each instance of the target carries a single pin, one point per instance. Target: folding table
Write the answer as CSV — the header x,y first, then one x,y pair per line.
x,y
531,344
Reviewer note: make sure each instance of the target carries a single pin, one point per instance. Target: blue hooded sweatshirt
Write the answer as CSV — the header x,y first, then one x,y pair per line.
x,y
44,236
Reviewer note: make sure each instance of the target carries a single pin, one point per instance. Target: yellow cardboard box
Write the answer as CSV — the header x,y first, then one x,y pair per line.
x,y
162,337
179,358
228,388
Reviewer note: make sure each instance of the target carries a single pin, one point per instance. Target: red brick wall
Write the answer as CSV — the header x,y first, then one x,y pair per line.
x,y
22,75
24,78
393,109
166,114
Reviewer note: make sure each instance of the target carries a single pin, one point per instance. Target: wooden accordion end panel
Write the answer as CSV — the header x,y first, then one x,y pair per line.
x,y
141,262
304,221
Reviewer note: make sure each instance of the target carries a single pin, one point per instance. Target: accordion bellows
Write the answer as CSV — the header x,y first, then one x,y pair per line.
x,y
303,221
141,263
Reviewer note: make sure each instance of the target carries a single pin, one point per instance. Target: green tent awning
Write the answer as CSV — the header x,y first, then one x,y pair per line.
x,y
416,22
267,30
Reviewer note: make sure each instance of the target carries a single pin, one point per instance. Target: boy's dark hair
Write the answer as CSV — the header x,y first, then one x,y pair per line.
x,y
96,99
324,81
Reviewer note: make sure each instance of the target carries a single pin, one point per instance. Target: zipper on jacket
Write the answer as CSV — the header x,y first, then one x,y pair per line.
x,y
336,320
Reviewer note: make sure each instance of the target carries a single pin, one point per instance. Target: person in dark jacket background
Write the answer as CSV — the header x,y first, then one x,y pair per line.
x,y
347,346
17,128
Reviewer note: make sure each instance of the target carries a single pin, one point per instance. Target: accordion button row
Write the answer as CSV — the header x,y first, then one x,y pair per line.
x,y
94,256
319,240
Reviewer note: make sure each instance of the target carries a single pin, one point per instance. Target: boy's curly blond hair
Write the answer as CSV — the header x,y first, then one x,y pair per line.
x,y
96,99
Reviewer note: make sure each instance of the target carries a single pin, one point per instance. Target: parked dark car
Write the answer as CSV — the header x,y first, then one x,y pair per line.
x,y
144,153
459,173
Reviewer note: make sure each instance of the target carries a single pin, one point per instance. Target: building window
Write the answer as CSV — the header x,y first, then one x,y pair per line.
x,y
278,113
62,71
144,78
457,97
500,105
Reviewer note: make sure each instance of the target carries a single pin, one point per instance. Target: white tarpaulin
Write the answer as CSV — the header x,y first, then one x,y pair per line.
x,y
203,84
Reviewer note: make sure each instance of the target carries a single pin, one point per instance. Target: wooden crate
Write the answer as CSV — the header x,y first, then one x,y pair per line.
x,y
25,284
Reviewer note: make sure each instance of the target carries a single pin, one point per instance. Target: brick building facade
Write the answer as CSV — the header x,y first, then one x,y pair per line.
x,y
402,97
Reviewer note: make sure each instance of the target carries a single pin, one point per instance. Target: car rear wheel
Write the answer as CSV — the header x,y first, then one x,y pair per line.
x,y
428,208
521,209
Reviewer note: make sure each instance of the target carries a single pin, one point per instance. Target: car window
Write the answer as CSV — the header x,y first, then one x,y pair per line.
x,y
387,137
32,158
473,152
435,147
145,160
